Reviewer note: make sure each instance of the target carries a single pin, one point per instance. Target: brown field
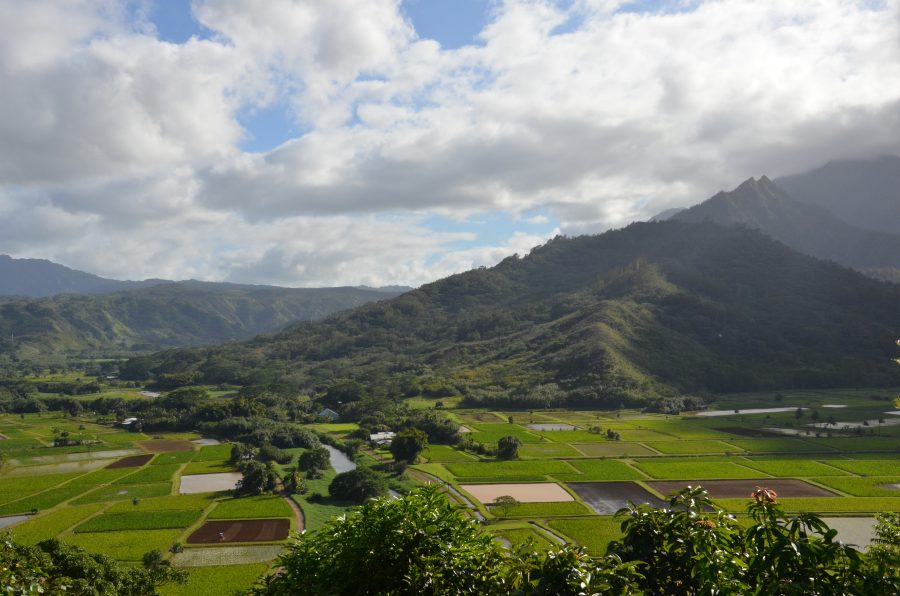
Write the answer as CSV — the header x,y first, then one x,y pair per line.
x,y
163,445
543,492
244,530
134,461
735,489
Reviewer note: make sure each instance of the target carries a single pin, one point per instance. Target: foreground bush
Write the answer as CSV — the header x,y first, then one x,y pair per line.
x,y
54,567
421,544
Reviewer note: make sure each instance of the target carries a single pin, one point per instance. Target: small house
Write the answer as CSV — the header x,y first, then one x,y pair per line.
x,y
382,438
329,414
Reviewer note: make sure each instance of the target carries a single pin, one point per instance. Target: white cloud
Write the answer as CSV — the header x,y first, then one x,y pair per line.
x,y
120,152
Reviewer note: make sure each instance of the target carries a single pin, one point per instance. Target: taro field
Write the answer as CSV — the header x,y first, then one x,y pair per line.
x,y
118,493
836,453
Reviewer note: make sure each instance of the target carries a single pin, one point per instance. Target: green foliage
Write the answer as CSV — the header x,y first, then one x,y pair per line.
x,y
357,486
691,547
258,478
408,444
314,461
420,544
162,316
55,567
508,447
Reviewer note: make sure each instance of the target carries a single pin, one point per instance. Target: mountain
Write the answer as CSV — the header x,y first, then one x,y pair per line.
x,y
864,193
764,205
666,214
39,278
650,310
172,314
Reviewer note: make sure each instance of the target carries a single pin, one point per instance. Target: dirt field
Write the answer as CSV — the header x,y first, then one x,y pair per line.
x,y
736,489
544,492
245,530
163,445
208,483
134,461
608,497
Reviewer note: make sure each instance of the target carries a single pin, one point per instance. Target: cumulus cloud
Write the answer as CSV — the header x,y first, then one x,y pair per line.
x,y
120,152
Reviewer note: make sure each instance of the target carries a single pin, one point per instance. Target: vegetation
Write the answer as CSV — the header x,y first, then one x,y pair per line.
x,y
408,444
508,447
622,319
421,544
165,315
358,485
55,567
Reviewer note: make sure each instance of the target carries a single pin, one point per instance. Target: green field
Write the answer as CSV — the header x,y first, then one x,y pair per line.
x,y
541,510
592,533
510,469
216,581
125,546
138,520
251,507
701,470
127,511
599,469
50,525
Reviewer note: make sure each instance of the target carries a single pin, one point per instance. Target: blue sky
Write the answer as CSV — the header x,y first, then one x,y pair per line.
x,y
453,24
345,142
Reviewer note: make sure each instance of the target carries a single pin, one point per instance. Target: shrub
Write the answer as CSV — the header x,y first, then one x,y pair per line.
x,y
358,485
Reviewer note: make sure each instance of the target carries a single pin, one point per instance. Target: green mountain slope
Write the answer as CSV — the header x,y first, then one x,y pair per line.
x,y
809,229
174,314
652,309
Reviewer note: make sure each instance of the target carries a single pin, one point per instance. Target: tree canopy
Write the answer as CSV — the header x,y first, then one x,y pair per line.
x,y
422,544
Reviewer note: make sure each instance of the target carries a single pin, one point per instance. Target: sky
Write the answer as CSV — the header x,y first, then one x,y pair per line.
x,y
376,142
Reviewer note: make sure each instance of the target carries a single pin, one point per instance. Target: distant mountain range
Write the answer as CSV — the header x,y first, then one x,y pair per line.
x,y
39,278
650,310
826,213
83,313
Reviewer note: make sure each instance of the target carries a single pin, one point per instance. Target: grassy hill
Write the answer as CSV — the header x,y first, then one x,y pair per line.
x,y
167,315
650,310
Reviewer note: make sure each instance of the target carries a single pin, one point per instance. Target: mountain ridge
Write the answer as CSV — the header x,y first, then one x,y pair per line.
x,y
762,204
651,310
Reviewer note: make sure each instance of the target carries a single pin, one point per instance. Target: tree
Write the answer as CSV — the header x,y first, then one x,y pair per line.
x,y
504,503
358,485
408,444
75,408
508,447
294,483
423,544
314,461
259,478
54,567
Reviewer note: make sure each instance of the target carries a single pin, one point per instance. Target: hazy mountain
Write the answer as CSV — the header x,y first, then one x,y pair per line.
x,y
165,315
666,214
865,193
38,278
649,310
807,228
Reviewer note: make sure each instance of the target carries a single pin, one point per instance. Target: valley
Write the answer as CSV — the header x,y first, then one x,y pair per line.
x,y
575,468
